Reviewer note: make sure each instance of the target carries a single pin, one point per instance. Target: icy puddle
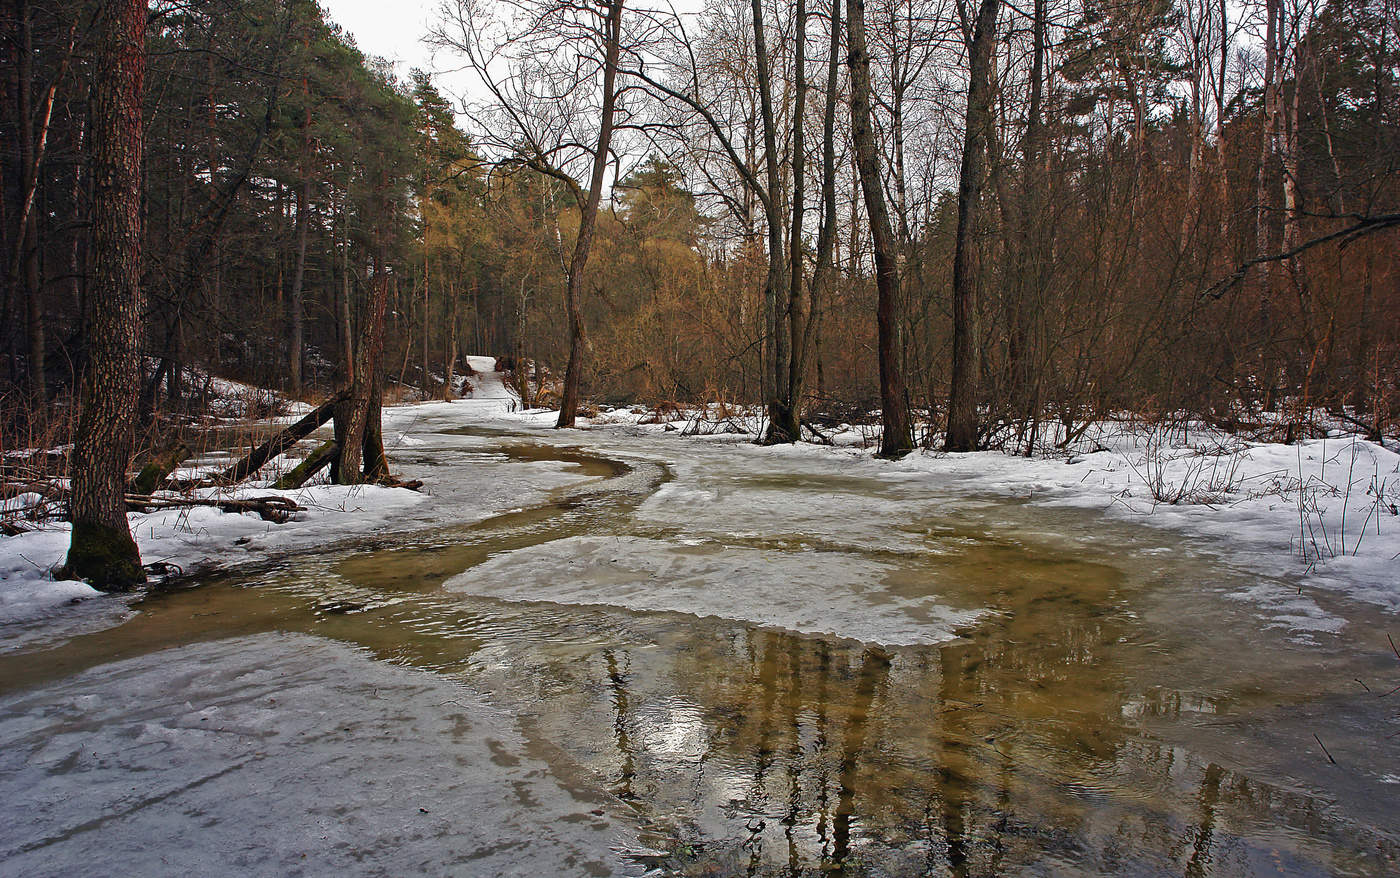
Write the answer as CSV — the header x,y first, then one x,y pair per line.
x,y
700,660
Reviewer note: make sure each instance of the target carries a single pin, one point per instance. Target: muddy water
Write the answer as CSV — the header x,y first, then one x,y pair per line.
x,y
1113,709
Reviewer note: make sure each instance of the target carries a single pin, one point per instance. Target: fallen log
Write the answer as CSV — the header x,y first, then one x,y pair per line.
x,y
316,461
275,509
259,456
157,470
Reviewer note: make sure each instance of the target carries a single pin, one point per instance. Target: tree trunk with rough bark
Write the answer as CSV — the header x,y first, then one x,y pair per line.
x,y
360,406
897,438
295,307
102,550
824,273
775,283
449,367
966,383
31,285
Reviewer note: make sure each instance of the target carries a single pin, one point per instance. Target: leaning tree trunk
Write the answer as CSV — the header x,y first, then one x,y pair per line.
x,y
102,550
897,437
568,405
962,397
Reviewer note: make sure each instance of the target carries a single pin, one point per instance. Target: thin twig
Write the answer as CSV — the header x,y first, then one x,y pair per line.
x,y
1324,749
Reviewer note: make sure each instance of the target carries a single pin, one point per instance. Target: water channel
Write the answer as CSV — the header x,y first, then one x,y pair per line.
x,y
764,665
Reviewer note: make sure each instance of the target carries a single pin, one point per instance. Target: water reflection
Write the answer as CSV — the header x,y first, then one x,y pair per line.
x,y
760,753
1028,745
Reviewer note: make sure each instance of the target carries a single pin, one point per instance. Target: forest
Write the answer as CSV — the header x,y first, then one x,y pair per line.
x,y
711,437
974,217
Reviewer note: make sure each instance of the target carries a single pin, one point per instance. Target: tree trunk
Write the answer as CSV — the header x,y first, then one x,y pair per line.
x,y
360,406
1032,258
776,289
295,307
32,285
376,462
102,550
449,366
1268,142
344,329
426,384
612,37
174,376
824,274
775,284
963,395
897,438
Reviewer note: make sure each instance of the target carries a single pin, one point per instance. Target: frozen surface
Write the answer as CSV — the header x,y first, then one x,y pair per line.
x,y
465,481
1323,512
282,755
806,592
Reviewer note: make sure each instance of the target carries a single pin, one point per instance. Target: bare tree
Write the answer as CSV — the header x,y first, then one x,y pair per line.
x,y
965,390
897,438
540,79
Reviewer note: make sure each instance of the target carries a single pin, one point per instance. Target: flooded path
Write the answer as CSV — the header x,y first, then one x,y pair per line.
x,y
702,659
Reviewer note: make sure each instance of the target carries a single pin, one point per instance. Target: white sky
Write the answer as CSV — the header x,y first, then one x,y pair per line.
x,y
391,30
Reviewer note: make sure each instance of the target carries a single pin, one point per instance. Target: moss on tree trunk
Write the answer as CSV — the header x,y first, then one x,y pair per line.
x,y
105,556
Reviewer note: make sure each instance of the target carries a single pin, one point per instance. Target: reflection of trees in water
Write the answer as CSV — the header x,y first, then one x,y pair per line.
x,y
1014,746
874,671
617,680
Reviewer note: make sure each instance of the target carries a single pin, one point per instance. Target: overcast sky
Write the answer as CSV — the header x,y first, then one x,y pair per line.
x,y
390,30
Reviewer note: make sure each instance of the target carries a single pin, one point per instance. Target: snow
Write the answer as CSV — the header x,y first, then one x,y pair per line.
x,y
42,597
1322,513
284,755
289,754
1326,511
763,587
466,483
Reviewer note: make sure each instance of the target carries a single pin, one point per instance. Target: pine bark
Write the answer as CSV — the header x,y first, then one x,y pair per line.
x,y
361,406
102,550
449,369
295,307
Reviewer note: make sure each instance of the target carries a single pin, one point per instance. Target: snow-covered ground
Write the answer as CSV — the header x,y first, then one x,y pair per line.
x,y
203,536
290,754
1324,510
1327,510
284,755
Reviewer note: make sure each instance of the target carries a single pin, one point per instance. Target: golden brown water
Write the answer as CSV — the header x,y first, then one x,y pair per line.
x,y
1107,715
